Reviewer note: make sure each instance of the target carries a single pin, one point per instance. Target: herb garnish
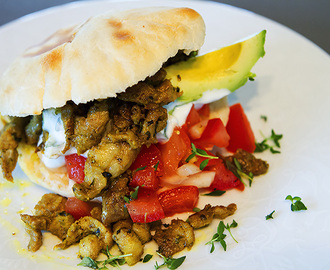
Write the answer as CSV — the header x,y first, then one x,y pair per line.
x,y
171,263
201,153
264,117
215,193
147,258
270,216
114,261
156,166
219,236
263,145
141,168
296,203
239,173
133,195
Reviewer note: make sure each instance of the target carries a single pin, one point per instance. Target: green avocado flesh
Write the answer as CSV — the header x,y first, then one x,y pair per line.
x,y
226,68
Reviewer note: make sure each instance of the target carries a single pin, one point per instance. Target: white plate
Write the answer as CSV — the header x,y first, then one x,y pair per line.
x,y
291,89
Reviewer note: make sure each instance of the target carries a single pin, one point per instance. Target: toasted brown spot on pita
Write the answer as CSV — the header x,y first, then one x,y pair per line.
x,y
54,58
123,35
189,12
115,24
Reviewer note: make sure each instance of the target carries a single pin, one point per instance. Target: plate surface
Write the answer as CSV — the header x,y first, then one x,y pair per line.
x,y
291,89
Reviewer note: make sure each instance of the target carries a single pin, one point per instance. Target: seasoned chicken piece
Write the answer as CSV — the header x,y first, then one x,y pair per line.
x,y
58,224
205,216
33,130
127,241
109,159
49,204
83,227
89,246
248,162
49,216
96,213
175,238
10,136
35,238
88,131
142,230
113,203
153,90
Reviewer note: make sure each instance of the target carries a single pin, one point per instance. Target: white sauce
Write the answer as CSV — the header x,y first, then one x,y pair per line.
x,y
180,111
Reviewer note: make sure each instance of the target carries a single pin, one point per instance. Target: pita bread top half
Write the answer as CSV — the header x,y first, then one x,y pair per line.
x,y
98,59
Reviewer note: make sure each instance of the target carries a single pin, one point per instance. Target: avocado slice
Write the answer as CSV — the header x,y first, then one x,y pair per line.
x,y
226,68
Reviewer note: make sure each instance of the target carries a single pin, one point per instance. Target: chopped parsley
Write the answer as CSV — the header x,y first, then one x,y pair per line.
x,y
201,153
264,144
270,216
296,203
170,263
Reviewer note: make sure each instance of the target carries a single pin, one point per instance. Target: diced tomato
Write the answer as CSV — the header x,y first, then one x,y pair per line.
x,y
78,208
175,150
179,200
146,208
214,134
239,130
149,157
204,112
224,179
145,178
75,165
193,117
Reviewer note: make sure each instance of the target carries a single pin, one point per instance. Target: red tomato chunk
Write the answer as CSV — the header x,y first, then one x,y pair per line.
x,y
149,157
179,200
78,208
75,165
146,208
145,178
239,130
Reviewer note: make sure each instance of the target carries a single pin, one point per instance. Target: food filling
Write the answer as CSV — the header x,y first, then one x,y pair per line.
x,y
145,162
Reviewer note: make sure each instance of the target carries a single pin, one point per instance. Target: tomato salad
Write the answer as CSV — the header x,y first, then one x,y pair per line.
x,y
158,170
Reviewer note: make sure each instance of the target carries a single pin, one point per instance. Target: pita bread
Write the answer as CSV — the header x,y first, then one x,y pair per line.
x,y
54,180
98,59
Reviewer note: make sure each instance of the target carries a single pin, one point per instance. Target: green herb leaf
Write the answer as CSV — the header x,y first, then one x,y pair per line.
x,y
239,173
199,152
296,203
264,117
196,209
141,168
232,225
203,164
88,262
264,145
156,166
171,263
215,193
270,216
147,258
135,193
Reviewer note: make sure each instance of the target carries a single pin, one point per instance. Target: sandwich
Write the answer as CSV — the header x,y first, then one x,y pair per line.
x,y
98,107
64,95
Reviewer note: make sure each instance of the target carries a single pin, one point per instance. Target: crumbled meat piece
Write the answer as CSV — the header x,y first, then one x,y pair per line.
x,y
83,227
50,203
33,130
113,203
49,216
175,238
12,133
88,131
249,163
90,247
205,216
142,230
127,241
